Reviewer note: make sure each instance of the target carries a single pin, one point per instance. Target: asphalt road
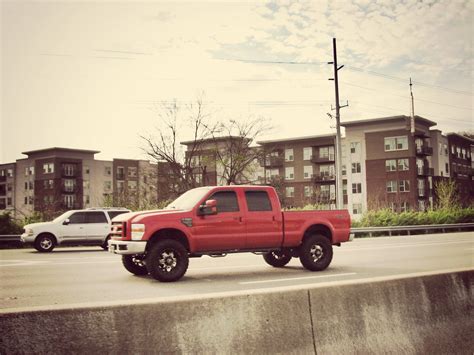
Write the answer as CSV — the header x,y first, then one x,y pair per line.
x,y
89,275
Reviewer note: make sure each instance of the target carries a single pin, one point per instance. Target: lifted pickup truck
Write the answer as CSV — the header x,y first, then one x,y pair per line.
x,y
215,221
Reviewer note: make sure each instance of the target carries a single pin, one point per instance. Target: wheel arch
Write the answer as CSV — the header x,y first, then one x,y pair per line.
x,y
169,233
47,233
318,229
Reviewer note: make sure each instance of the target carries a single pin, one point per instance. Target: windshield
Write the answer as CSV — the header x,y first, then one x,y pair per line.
x,y
62,217
189,199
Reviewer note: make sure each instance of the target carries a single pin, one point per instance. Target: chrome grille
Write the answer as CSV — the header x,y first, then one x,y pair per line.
x,y
117,230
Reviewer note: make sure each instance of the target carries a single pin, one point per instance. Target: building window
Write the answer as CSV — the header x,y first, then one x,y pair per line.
x,y
446,168
9,187
356,208
108,171
9,201
290,191
86,170
48,168
68,169
272,173
390,165
9,172
393,206
31,185
404,185
446,151
308,171
69,200
403,164
120,173
132,171
355,168
343,170
107,185
356,188
289,154
69,185
344,188
391,186
355,147
120,185
326,153
86,199
404,206
30,200
48,184
26,171
26,185
289,173
86,184
307,153
308,191
132,185
396,143
25,201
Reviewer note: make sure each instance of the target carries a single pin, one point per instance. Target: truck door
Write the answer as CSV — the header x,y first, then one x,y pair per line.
x,y
264,222
223,231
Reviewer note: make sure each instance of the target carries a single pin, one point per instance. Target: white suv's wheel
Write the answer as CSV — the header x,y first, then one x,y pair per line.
x,y
45,243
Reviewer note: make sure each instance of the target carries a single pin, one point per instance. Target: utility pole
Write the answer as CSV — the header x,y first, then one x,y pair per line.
x,y
412,115
339,199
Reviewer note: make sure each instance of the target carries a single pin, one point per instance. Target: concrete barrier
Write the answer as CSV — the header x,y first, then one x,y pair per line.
x,y
430,314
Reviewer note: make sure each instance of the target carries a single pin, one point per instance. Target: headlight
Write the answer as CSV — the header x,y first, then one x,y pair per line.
x,y
29,231
137,231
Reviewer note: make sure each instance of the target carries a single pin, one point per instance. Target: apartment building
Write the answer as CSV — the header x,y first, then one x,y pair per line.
x,y
460,160
389,164
303,169
56,179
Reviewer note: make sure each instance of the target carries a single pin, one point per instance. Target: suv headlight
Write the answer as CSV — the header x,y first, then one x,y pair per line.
x,y
138,230
29,232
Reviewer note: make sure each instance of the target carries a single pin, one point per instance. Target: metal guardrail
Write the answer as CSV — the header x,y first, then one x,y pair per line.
x,y
366,230
408,229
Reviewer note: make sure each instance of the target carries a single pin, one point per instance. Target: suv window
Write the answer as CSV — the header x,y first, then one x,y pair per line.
x,y
226,201
77,218
112,214
95,217
258,201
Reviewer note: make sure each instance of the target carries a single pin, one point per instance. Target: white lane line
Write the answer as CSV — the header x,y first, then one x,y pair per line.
x,y
217,268
295,278
374,247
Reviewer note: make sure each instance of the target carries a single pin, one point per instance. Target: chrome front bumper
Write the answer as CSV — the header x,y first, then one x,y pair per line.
x,y
125,247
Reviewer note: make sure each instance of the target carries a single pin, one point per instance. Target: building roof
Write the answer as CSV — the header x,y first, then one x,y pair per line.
x,y
331,135
452,134
59,149
423,120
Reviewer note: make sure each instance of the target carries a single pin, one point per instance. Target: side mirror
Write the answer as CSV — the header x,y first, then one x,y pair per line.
x,y
208,208
66,221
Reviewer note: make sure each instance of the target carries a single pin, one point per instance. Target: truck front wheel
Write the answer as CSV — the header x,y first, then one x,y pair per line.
x,y
167,260
277,258
134,264
45,243
316,252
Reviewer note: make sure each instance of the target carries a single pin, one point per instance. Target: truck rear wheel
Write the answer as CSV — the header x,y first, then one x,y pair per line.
x,y
277,258
316,252
167,260
134,264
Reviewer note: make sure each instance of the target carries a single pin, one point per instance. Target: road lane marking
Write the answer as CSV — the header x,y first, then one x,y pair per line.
x,y
374,247
295,278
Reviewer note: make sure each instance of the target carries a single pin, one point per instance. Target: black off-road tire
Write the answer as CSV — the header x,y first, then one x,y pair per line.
x,y
45,243
134,264
316,252
277,258
167,260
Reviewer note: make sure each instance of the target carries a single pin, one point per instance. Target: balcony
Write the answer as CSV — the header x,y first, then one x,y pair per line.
x,y
120,176
322,160
424,150
272,161
425,171
424,192
69,189
324,178
3,178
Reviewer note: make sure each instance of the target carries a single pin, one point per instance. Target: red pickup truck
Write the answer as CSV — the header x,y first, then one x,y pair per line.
x,y
215,221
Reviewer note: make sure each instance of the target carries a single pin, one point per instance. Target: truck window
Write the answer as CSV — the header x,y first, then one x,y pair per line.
x,y
258,201
226,201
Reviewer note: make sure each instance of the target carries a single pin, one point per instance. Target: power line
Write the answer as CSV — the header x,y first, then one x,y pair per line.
x,y
271,61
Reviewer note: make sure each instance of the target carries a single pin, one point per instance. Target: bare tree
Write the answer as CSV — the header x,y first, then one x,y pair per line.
x,y
447,194
165,148
235,156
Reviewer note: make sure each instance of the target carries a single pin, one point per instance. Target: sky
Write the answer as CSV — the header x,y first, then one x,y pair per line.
x,y
93,75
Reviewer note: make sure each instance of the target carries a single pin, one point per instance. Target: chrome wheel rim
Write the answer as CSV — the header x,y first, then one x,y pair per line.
x,y
138,261
316,253
168,260
46,243
278,256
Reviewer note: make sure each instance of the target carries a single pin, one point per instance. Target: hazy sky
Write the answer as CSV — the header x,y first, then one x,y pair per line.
x,y
88,74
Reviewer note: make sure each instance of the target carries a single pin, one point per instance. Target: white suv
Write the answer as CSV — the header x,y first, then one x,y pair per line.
x,y
80,227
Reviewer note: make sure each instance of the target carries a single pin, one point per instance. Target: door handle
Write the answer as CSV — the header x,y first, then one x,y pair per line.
x,y
238,219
